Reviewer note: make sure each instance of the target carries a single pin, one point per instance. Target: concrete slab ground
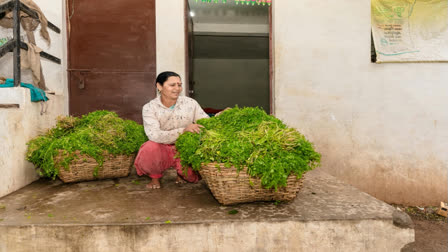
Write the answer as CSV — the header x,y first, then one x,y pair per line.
x,y
122,215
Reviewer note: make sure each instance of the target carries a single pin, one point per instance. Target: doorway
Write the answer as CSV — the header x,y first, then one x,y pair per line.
x,y
231,55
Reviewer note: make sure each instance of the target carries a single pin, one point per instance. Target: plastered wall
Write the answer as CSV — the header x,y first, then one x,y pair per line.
x,y
17,127
170,37
380,127
20,124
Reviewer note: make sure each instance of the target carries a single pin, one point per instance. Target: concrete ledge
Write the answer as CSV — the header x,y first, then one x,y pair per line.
x,y
20,121
15,95
372,235
7,106
120,215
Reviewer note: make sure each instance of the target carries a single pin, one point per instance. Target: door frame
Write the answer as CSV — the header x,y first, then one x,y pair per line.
x,y
188,68
271,64
271,54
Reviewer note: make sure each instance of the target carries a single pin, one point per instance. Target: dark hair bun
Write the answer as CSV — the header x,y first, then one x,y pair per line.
x,y
162,77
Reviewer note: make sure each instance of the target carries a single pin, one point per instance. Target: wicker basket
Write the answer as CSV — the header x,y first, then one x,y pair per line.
x,y
230,187
82,168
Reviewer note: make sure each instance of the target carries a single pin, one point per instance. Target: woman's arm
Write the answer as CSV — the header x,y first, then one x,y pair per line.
x,y
199,112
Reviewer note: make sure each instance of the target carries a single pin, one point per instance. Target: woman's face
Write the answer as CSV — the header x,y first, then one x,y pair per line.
x,y
171,88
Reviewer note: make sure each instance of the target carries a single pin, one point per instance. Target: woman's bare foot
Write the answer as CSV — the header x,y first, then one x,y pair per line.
x,y
180,180
154,184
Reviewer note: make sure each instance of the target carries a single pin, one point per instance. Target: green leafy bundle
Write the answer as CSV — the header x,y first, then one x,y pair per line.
x,y
96,134
249,138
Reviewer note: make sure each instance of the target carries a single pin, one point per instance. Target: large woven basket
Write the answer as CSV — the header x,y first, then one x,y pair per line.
x,y
82,168
230,187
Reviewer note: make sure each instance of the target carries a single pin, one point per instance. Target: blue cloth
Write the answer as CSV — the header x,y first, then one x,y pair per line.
x,y
37,94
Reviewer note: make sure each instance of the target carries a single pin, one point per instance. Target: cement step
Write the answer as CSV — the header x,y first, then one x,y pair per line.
x,y
122,215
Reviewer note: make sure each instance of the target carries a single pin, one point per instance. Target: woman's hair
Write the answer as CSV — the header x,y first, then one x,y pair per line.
x,y
162,77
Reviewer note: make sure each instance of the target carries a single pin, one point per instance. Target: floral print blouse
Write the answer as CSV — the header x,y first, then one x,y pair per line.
x,y
164,125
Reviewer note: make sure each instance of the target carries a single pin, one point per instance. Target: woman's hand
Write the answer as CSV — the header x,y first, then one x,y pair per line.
x,y
193,128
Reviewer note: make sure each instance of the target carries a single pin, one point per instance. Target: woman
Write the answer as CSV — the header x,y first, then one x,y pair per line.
x,y
164,119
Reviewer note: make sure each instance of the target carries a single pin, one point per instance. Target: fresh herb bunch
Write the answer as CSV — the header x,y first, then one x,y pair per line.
x,y
95,134
248,137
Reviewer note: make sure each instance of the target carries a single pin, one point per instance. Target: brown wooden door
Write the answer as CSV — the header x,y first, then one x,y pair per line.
x,y
112,56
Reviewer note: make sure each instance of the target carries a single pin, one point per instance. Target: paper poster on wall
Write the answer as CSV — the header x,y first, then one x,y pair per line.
x,y
410,30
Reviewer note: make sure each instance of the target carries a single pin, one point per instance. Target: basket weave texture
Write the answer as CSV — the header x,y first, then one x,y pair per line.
x,y
82,168
230,187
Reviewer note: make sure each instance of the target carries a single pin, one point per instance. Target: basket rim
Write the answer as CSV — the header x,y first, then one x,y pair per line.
x,y
229,189
222,165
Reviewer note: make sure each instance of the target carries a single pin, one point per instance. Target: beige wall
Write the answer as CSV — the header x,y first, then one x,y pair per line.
x,y
221,83
19,125
170,37
380,127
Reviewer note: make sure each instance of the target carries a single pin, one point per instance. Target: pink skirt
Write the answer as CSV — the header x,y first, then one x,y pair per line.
x,y
154,158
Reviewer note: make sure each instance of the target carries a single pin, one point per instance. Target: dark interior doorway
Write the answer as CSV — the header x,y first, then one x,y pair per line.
x,y
231,55
231,70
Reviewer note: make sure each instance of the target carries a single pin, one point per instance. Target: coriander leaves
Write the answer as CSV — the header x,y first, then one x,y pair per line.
x,y
248,137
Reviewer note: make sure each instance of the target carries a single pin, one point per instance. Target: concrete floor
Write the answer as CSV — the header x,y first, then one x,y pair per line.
x,y
336,216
